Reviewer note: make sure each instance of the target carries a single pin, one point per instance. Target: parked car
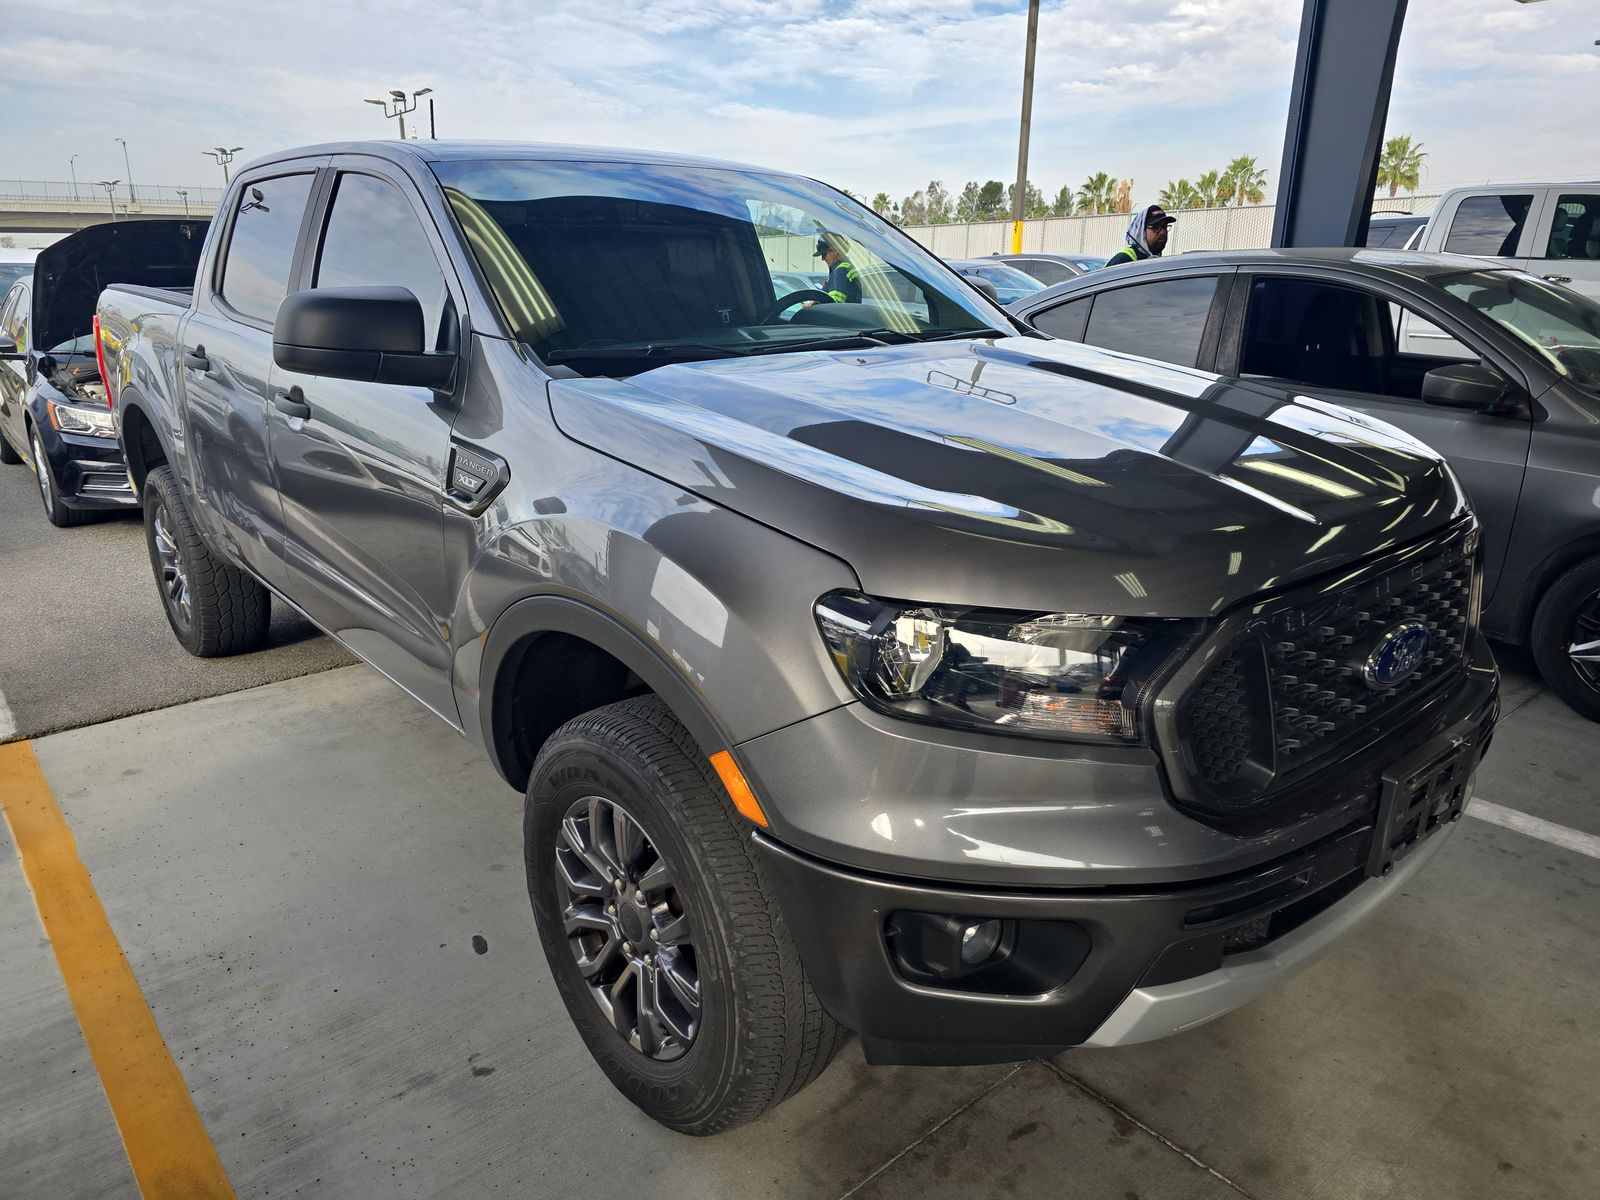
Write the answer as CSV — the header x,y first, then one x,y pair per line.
x,y
1051,268
1009,284
1496,369
14,264
1548,229
980,693
53,413
1395,230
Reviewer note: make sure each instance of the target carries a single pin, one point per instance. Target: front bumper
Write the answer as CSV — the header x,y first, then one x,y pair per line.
x,y
89,472
1115,964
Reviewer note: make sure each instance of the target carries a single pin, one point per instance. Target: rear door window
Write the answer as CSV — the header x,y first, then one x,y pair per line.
x,y
1047,272
266,228
1066,321
1489,226
373,238
1164,320
1575,228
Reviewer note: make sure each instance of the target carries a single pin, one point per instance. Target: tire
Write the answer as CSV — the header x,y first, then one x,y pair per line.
x,y
8,456
214,609
760,1034
57,513
1569,614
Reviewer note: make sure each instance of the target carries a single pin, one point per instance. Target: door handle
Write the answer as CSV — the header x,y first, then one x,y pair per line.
x,y
1557,278
196,359
292,403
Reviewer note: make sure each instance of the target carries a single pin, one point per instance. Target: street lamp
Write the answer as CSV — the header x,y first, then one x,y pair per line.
x,y
224,156
72,165
132,199
398,106
110,186
184,193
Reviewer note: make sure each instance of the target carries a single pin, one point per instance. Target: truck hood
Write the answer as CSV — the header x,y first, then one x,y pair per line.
x,y
1024,474
68,275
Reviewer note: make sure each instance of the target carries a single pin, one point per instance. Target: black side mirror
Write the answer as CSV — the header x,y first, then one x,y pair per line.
x,y
8,349
372,334
984,286
1465,385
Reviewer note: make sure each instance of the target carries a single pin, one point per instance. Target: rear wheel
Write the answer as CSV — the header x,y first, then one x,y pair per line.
x,y
1566,637
58,513
214,608
673,962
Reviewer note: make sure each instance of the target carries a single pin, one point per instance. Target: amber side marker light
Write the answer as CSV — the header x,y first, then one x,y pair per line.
x,y
738,787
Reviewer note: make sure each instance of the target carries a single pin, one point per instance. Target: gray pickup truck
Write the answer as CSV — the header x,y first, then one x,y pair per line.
x,y
867,665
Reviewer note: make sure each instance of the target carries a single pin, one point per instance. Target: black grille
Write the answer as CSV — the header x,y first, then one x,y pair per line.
x,y
1315,696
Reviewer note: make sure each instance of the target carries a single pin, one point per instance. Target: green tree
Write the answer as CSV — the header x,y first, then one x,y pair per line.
x,y
1247,182
1062,206
1095,196
881,204
1212,190
1400,164
1179,194
967,205
938,203
1033,204
991,199
914,208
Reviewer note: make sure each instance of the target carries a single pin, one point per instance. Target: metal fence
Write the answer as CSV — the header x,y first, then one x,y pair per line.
x,y
1245,227
87,192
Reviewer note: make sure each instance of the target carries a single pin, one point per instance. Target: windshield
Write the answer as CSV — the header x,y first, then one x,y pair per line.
x,y
613,268
1562,326
10,273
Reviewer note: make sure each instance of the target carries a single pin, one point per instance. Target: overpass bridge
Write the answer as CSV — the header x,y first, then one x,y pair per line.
x,y
55,207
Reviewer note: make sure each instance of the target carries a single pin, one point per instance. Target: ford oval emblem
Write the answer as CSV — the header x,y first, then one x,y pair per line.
x,y
1397,655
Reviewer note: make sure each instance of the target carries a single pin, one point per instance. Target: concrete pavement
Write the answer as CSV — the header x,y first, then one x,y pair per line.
x,y
298,874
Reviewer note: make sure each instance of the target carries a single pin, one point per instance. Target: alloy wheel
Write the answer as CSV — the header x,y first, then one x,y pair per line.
x,y
628,928
1583,642
174,575
41,471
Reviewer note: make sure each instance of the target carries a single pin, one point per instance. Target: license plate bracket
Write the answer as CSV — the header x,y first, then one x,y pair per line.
x,y
1422,792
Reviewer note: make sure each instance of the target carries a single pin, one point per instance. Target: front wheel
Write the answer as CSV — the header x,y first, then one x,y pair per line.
x,y
214,608
1566,637
57,513
673,961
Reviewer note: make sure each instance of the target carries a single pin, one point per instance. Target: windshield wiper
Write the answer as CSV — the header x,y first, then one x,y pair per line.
x,y
843,341
669,352
966,333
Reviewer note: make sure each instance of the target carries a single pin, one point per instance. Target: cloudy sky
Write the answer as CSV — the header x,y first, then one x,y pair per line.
x,y
867,94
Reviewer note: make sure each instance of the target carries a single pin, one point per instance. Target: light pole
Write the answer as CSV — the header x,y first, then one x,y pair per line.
x,y
110,186
224,156
398,106
184,193
72,165
128,170
1019,200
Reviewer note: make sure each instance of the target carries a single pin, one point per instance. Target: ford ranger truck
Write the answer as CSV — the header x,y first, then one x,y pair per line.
x,y
866,666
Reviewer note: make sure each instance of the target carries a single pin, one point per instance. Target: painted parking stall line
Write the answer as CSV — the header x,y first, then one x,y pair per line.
x,y
1535,827
167,1145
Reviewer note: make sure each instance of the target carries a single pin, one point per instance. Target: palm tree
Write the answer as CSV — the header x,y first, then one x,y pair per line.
x,y
1248,181
1212,190
1179,195
881,204
1400,165
1095,194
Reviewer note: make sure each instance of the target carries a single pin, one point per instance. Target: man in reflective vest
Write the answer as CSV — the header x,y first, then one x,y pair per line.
x,y
844,281
1146,236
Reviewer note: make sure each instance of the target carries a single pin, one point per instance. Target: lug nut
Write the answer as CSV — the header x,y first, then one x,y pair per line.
x,y
655,935
611,910
627,948
639,895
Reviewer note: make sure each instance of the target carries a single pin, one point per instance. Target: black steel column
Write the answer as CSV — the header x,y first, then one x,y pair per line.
x,y
1337,110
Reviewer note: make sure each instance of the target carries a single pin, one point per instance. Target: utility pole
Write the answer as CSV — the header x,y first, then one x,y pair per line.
x,y
182,192
224,156
72,165
433,134
1019,201
110,186
398,106
128,170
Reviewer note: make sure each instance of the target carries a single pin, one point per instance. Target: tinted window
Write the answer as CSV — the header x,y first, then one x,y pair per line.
x,y
1064,320
1575,228
1392,235
16,317
1047,272
255,277
1162,320
373,238
1488,225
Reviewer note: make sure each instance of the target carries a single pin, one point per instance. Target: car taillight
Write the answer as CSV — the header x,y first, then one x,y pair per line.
x,y
100,360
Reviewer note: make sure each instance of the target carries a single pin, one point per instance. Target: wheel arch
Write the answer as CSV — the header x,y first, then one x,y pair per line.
x,y
142,443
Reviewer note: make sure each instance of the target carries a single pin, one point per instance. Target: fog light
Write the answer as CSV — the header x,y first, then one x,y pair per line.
x,y
979,941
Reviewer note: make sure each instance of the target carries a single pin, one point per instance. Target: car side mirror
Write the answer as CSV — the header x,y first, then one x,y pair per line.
x,y
8,349
1470,386
371,334
984,286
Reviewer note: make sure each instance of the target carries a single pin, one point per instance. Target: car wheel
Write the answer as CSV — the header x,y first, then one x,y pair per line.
x,y
673,961
8,456
214,609
1566,637
58,513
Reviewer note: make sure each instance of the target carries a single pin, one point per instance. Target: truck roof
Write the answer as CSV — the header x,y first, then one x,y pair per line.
x,y
431,151
1521,183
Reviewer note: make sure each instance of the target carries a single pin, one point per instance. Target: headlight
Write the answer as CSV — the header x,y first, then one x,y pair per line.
x,y
1050,675
69,418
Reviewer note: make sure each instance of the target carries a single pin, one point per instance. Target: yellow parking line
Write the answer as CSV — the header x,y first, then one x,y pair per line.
x,y
171,1155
